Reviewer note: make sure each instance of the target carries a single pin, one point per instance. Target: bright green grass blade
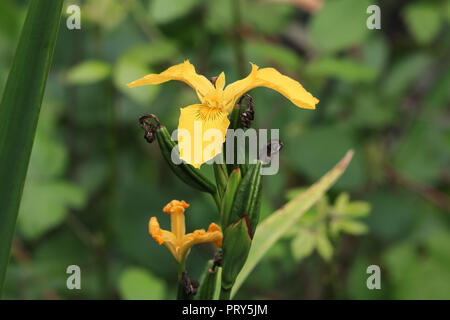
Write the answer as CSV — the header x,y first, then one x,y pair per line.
x,y
19,112
272,228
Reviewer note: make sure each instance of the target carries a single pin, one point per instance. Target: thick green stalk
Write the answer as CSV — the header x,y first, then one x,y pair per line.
x,y
19,112
181,294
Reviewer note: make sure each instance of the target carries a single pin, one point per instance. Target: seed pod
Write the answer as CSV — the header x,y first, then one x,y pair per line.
x,y
248,196
184,171
236,245
229,194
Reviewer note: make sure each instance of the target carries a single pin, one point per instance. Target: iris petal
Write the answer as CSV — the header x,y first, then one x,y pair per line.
x,y
269,78
184,72
201,133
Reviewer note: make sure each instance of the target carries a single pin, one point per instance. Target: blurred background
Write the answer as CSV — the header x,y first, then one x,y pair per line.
x,y
94,182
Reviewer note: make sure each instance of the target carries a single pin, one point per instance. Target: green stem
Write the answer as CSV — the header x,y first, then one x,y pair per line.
x,y
19,112
181,294
224,293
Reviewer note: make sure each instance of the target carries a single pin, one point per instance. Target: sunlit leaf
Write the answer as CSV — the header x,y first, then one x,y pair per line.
x,y
88,72
139,284
272,229
343,69
303,244
351,227
423,21
339,25
324,246
45,205
163,11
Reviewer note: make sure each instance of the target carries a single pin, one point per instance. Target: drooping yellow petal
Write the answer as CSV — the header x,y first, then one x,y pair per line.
x,y
217,238
201,133
182,72
213,235
162,236
270,78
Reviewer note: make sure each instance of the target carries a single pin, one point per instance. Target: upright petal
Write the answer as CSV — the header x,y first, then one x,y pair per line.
x,y
220,81
201,133
270,78
182,72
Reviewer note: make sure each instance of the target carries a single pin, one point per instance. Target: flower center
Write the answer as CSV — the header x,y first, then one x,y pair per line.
x,y
209,113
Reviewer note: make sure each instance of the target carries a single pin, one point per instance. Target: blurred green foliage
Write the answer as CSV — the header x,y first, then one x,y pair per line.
x,y
93,181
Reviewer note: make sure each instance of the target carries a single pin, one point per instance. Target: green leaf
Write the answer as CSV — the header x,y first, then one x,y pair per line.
x,y
419,272
314,166
88,72
108,14
340,24
19,112
392,214
303,244
152,53
375,53
324,247
47,197
45,205
341,202
273,228
424,165
267,54
446,10
351,227
139,284
163,11
9,19
343,69
256,13
423,21
357,209
403,73
218,16
128,70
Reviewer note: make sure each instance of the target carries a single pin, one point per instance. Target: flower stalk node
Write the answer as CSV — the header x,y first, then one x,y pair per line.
x,y
217,261
149,127
189,286
249,114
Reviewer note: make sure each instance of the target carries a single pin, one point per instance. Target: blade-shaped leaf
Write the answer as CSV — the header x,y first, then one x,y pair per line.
x,y
19,112
271,229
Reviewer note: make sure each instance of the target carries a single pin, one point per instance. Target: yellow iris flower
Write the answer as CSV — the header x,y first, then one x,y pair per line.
x,y
217,102
179,243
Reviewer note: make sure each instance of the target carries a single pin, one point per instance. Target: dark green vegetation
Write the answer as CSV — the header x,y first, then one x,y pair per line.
x,y
19,113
